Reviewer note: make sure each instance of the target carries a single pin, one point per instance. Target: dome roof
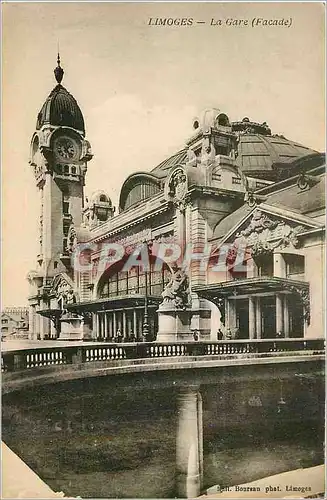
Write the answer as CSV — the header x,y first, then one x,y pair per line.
x,y
99,196
60,107
163,169
259,151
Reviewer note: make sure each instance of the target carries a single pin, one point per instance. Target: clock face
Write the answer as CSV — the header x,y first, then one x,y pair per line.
x,y
66,148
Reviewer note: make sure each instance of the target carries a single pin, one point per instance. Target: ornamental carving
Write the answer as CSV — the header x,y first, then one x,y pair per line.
x,y
250,198
304,295
71,239
176,189
168,238
220,303
176,293
208,153
65,292
133,239
178,185
261,249
259,223
263,234
183,204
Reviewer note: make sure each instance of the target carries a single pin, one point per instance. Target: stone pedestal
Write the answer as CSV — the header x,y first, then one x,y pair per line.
x,y
173,325
73,329
201,317
189,446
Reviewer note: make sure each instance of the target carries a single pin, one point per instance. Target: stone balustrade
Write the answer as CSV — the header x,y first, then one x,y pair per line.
x,y
27,359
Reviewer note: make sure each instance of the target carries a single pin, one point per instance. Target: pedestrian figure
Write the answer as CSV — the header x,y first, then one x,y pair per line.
x,y
220,335
196,335
119,336
229,334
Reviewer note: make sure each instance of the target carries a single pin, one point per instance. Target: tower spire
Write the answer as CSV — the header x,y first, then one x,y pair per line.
x,y
58,72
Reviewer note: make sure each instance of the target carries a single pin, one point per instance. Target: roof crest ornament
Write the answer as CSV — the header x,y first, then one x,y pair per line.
x,y
58,71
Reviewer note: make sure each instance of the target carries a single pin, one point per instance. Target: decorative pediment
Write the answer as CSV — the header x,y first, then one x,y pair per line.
x,y
264,230
63,288
264,233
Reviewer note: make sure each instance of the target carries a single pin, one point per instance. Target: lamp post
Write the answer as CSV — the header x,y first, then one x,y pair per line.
x,y
146,313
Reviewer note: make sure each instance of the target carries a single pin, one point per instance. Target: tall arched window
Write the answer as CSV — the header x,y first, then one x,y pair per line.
x,y
116,282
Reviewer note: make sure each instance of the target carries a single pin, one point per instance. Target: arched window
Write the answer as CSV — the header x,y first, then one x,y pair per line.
x,y
103,198
116,282
222,120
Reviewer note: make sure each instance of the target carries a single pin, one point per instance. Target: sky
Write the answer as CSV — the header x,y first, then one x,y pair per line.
x,y
140,86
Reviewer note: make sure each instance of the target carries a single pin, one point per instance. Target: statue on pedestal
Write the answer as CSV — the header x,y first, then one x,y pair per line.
x,y
176,293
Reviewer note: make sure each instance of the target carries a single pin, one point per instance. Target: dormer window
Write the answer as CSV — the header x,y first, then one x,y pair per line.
x,y
196,124
222,120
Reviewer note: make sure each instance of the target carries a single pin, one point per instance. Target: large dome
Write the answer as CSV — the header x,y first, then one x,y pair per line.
x,y
259,151
61,109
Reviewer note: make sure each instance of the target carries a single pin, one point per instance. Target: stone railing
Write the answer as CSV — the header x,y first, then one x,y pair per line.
x,y
27,359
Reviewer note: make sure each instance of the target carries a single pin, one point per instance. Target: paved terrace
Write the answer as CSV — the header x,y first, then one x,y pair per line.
x,y
54,361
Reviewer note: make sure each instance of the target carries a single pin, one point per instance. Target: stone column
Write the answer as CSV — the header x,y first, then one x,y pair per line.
x,y
286,317
134,322
31,323
181,230
37,326
279,266
279,313
94,325
103,325
124,325
189,447
109,325
98,328
105,333
200,434
252,322
231,314
258,317
114,323
41,327
129,323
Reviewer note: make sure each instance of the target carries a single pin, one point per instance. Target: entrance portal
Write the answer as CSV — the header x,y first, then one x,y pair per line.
x,y
268,317
242,318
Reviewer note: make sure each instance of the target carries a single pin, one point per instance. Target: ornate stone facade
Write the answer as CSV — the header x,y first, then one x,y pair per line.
x,y
218,190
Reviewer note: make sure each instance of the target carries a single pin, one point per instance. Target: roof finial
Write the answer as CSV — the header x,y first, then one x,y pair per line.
x,y
58,72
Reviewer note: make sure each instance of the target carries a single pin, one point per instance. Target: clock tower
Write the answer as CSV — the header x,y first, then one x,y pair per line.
x,y
59,157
